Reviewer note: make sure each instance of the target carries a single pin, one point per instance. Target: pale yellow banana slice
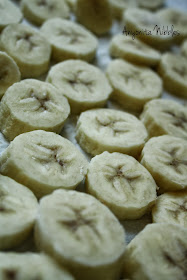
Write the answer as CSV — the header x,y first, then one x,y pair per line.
x,y
119,6
81,233
165,117
122,183
171,208
9,72
38,11
30,266
133,85
31,105
18,208
43,161
9,13
110,130
85,85
173,70
28,48
69,40
158,252
184,48
150,5
165,157
134,51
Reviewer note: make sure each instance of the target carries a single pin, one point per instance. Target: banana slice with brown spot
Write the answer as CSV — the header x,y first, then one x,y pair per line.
x,y
9,13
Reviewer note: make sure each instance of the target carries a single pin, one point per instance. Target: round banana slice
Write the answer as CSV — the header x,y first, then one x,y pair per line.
x,y
18,209
122,183
82,234
134,51
184,49
38,11
133,85
31,105
150,5
85,85
69,40
165,117
9,13
157,252
165,157
43,161
171,208
95,15
119,6
110,130
22,266
9,72
28,48
173,70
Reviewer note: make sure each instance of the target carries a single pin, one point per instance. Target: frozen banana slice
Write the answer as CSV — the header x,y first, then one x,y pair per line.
x,y
134,51
30,266
28,48
133,85
43,161
171,208
184,49
122,183
157,252
119,6
38,11
31,105
173,70
85,85
18,209
9,13
165,157
110,130
69,40
82,234
9,72
150,5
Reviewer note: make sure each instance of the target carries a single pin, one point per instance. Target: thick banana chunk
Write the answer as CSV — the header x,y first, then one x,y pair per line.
x,y
171,208
69,40
165,157
122,183
9,72
31,105
173,70
158,252
27,266
110,130
133,85
165,117
119,6
184,48
38,11
82,234
43,161
85,85
18,209
150,5
134,51
28,48
9,13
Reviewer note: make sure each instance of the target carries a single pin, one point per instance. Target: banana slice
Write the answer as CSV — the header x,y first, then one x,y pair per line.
x,y
18,208
27,266
69,40
134,51
43,161
9,13
31,105
28,48
173,70
171,208
165,157
158,252
38,11
150,5
122,183
110,130
165,117
82,234
9,72
119,6
184,49
83,84
133,85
